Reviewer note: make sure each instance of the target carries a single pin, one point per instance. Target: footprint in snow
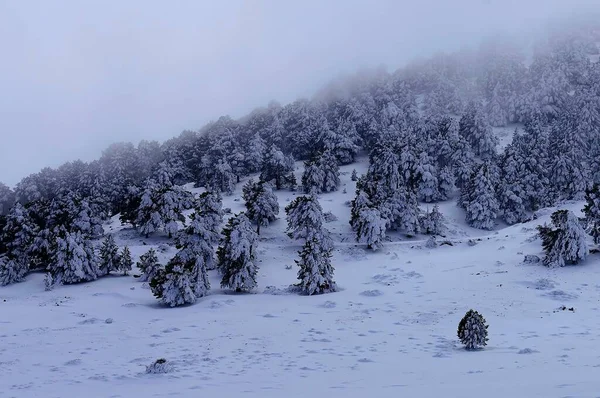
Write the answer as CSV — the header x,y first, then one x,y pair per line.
x,y
371,293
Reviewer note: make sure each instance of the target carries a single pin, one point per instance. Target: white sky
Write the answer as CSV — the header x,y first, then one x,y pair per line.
x,y
78,75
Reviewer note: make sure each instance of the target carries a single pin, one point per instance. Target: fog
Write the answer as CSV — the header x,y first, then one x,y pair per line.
x,y
78,75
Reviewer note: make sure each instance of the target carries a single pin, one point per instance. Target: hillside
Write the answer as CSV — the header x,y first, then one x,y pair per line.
x,y
389,331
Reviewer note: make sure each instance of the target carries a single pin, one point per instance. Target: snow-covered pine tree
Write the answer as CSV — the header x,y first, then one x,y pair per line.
x,y
262,207
432,222
426,179
331,171
476,130
401,209
472,330
279,168
12,270
222,177
109,258
74,259
125,261
174,285
592,212
7,199
313,177
236,254
370,227
149,265
209,206
316,271
305,221
18,234
564,241
510,190
255,154
354,175
86,221
482,207
162,204
445,183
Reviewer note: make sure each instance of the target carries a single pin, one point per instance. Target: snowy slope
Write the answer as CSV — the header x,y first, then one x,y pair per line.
x,y
389,332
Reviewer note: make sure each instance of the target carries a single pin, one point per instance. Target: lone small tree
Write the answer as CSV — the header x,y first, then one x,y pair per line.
x,y
564,242
472,330
109,256
125,261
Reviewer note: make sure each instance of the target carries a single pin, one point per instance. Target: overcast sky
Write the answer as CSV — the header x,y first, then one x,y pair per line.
x,y
78,75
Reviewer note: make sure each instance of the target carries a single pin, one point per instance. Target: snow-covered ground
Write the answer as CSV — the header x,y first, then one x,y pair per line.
x,y
389,332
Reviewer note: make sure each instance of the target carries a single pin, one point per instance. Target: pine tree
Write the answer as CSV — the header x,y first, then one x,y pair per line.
x,y
592,212
12,270
331,172
125,261
261,203
477,131
432,222
316,271
236,254
370,227
564,241
354,175
445,183
305,221
426,179
109,256
510,191
149,265
472,330
73,260
313,177
482,207
279,168
162,204
173,285
18,234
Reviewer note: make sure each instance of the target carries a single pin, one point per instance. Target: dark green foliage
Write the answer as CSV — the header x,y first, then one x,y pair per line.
x,y
472,330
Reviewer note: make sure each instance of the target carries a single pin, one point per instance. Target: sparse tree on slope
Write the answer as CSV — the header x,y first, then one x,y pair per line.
x,y
236,254
564,242
261,203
